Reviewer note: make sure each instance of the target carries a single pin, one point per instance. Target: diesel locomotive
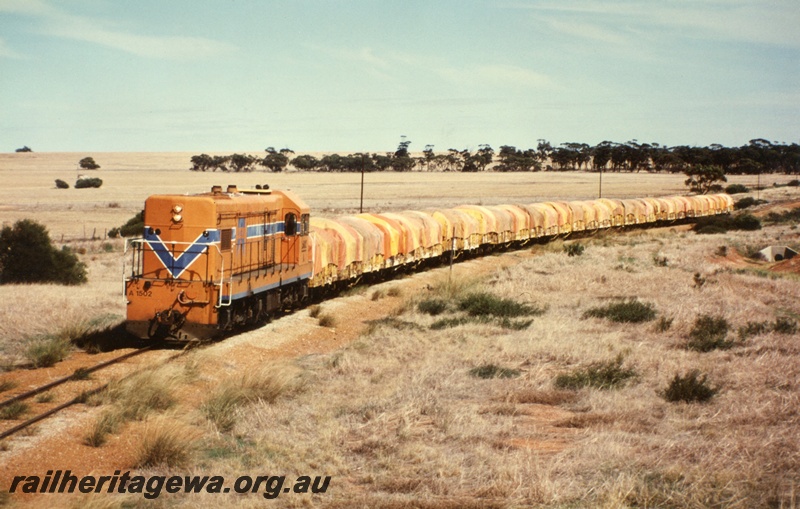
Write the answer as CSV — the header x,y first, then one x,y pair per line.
x,y
217,261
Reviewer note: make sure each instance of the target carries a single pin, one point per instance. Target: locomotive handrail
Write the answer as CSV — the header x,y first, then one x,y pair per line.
x,y
139,244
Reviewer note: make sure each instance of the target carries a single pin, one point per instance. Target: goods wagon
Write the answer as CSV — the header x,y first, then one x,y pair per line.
x,y
210,262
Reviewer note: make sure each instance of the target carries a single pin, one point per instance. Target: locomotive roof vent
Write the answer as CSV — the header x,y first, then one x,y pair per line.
x,y
232,189
216,189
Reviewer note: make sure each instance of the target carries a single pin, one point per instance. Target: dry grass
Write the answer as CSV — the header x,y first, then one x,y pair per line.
x,y
266,385
166,443
399,419
135,398
53,318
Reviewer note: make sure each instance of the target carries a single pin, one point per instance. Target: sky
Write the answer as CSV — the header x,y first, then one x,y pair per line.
x,y
364,75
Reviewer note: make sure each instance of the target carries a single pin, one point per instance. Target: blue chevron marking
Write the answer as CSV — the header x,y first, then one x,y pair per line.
x,y
177,266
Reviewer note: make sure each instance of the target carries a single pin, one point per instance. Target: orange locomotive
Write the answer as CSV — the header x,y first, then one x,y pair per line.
x,y
209,262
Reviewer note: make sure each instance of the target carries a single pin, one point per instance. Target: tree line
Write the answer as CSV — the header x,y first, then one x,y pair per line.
x,y
758,156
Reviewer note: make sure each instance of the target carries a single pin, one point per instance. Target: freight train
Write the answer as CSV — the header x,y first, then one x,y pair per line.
x,y
218,261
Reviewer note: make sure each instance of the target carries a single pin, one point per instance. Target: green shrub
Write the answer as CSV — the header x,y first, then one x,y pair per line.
x,y
793,183
722,223
433,306
747,222
28,256
624,311
736,189
486,304
602,375
709,333
60,184
787,216
493,371
575,249
133,227
85,183
689,388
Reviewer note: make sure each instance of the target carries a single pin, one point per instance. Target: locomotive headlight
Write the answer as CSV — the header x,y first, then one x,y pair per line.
x,y
176,213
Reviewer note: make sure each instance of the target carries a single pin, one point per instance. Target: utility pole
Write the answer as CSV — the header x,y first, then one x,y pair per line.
x,y
600,191
361,205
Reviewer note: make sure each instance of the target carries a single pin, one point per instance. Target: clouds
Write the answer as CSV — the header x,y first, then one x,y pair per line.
x,y
396,66
770,22
51,21
184,74
6,51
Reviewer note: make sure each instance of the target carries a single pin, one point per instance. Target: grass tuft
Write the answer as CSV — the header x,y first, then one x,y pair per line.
x,y
107,423
602,375
47,351
142,393
664,324
624,311
433,307
267,385
81,374
487,371
391,323
689,388
783,325
446,323
7,385
394,291
327,320
166,443
45,397
13,411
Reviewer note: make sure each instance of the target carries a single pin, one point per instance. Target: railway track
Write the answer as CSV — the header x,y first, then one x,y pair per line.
x,y
77,375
